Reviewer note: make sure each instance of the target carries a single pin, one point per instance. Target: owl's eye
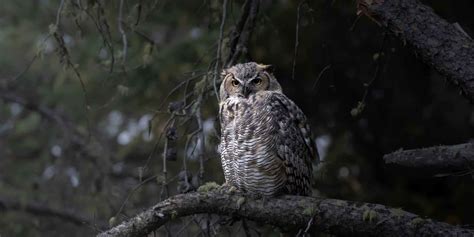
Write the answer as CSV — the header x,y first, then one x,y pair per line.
x,y
257,81
235,83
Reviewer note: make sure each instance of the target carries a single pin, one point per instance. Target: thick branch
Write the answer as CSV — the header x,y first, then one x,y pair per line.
x,y
442,45
327,215
456,156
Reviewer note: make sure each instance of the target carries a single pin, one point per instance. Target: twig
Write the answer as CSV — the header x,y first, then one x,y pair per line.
x,y
164,187
202,145
219,46
297,42
134,189
355,23
377,68
319,76
185,157
155,147
361,104
103,28
122,33
59,12
132,192
66,58
176,88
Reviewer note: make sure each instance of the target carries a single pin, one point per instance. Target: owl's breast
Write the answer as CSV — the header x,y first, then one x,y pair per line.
x,y
248,151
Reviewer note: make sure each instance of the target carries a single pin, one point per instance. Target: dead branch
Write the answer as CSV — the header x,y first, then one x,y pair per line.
x,y
440,44
456,156
332,216
45,210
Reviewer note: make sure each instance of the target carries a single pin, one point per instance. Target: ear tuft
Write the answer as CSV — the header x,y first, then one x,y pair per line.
x,y
265,67
224,72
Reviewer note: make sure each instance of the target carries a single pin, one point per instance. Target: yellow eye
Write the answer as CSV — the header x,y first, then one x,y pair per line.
x,y
235,83
257,81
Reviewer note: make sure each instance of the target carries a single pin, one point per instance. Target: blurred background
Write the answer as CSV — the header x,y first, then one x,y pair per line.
x,y
105,108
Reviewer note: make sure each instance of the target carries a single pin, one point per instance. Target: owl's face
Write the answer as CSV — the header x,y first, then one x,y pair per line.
x,y
243,80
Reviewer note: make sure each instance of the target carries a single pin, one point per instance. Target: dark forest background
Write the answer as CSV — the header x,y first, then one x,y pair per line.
x,y
85,119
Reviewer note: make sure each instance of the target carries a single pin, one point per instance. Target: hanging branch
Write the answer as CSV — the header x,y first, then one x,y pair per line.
x,y
442,45
456,156
332,216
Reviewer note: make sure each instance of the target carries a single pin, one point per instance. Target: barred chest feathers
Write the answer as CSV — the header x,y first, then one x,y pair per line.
x,y
266,145
248,149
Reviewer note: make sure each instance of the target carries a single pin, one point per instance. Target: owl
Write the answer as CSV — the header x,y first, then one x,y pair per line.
x,y
266,144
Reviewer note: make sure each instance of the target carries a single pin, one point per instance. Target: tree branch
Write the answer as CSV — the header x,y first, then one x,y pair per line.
x,y
91,149
456,156
71,134
242,32
44,210
332,216
442,45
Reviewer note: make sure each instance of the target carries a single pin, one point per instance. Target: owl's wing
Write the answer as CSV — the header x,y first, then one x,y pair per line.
x,y
295,145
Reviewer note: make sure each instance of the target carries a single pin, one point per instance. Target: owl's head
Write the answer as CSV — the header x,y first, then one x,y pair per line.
x,y
243,80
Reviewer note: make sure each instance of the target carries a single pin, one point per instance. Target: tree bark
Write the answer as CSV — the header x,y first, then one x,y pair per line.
x,y
456,156
332,216
442,45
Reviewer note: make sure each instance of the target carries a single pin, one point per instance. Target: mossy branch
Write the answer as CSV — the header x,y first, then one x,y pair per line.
x,y
331,216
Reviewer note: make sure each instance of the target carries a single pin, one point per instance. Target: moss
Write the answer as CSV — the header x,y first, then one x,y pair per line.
x,y
397,212
240,201
208,187
369,215
174,214
112,221
365,215
417,221
372,215
309,211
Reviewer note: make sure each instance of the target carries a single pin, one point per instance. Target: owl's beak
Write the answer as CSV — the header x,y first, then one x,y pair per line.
x,y
246,91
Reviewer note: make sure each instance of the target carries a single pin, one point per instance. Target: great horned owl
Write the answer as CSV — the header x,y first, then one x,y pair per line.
x,y
266,144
